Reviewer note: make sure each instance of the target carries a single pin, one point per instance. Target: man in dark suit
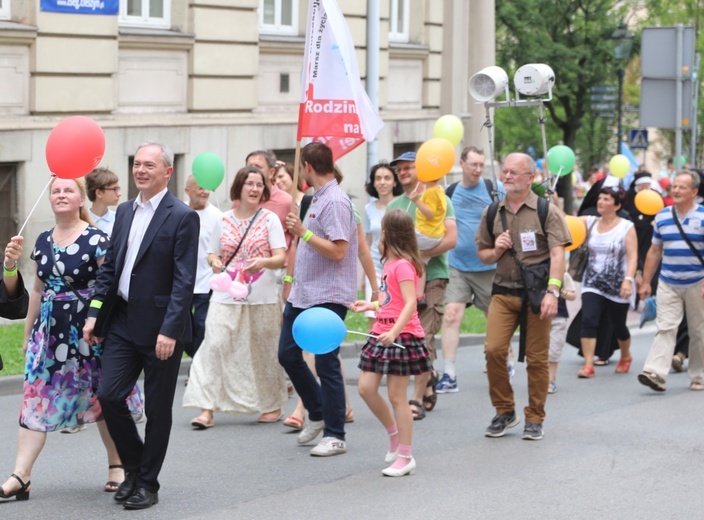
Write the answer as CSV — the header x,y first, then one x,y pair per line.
x,y
141,306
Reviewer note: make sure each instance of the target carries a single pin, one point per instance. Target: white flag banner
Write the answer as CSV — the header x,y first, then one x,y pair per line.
x,y
335,108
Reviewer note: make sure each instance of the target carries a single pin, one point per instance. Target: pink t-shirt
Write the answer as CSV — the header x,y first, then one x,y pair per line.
x,y
391,299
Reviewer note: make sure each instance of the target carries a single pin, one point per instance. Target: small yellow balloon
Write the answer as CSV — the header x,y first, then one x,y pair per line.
x,y
619,165
648,202
578,231
449,127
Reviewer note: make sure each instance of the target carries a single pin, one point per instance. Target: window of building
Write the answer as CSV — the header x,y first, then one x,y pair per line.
x,y
284,83
4,9
278,16
8,202
398,20
145,13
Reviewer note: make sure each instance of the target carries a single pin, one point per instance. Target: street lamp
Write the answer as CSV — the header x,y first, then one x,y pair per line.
x,y
622,51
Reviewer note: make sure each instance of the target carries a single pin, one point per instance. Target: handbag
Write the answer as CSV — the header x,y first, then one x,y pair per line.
x,y
578,257
535,277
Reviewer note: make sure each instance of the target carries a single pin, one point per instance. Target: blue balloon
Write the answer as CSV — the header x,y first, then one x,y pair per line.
x,y
539,163
319,330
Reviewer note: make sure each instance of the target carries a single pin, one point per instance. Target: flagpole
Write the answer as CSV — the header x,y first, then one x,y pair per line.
x,y
296,168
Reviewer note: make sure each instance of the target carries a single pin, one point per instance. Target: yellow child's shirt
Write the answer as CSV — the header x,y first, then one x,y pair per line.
x,y
435,199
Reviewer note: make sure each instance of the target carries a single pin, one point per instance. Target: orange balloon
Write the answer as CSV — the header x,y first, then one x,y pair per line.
x,y
648,202
578,231
434,159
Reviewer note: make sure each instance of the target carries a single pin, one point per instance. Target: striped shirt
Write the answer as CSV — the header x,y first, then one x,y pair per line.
x,y
317,279
680,266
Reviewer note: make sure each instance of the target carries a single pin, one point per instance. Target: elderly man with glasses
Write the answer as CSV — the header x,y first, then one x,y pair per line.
x,y
523,238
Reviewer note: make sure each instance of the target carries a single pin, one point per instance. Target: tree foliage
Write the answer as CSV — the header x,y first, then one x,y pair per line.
x,y
574,38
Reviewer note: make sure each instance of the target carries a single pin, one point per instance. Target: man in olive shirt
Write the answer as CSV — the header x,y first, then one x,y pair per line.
x,y
533,243
437,276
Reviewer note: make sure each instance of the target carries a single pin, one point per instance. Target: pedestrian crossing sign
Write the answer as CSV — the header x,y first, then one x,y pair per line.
x,y
638,139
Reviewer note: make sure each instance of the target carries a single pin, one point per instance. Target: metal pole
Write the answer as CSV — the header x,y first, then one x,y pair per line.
x,y
621,73
373,72
678,98
695,111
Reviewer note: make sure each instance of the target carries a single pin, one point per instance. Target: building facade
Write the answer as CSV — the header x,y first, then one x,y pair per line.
x,y
215,75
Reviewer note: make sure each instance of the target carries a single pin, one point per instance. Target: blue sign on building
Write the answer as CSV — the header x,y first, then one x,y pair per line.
x,y
110,7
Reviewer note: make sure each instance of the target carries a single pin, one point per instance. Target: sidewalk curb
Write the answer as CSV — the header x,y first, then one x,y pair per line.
x,y
11,385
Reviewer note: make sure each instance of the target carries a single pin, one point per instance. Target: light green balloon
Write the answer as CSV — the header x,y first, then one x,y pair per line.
x,y
561,160
208,170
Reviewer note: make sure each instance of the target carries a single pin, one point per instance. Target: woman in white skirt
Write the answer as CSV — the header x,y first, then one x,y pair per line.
x,y
236,369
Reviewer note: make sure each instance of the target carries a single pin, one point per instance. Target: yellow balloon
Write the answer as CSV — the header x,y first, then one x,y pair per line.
x,y
449,127
434,159
619,165
578,231
648,202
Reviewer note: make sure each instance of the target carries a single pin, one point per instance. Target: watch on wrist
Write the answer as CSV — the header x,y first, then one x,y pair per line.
x,y
554,292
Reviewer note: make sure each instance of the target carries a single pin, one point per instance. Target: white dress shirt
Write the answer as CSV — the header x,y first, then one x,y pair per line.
x,y
143,214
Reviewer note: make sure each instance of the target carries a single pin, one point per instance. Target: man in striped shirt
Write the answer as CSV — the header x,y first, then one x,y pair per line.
x,y
325,275
680,287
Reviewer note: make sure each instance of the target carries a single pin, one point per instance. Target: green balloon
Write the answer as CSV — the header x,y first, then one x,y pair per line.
x,y
561,160
208,170
539,189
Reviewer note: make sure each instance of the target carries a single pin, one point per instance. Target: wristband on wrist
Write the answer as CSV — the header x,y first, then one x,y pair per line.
x,y
9,272
556,282
288,278
630,279
307,235
376,304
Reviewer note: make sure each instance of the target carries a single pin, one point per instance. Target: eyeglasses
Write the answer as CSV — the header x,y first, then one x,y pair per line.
x,y
116,188
513,173
257,185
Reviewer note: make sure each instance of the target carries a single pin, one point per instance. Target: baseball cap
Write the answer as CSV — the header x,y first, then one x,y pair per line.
x,y
405,156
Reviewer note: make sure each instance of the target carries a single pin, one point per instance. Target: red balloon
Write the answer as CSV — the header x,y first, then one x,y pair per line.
x,y
75,147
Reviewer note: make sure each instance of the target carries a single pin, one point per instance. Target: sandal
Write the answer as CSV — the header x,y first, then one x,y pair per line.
x,y
601,362
294,422
697,387
111,486
586,372
418,412
349,416
201,423
22,493
429,401
271,417
624,365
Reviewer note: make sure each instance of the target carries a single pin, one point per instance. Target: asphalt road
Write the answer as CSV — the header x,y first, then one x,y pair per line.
x,y
612,449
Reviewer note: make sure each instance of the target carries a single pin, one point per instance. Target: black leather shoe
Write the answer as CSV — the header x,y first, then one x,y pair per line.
x,y
126,488
142,499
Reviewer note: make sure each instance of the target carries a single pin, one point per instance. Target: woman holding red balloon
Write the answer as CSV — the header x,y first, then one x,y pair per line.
x,y
609,278
236,369
62,371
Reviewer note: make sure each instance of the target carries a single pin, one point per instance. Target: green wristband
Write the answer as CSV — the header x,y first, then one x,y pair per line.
x,y
9,272
288,279
307,235
556,282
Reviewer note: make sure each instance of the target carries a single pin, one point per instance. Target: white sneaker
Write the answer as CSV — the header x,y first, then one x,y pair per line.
x,y
329,446
311,429
73,429
408,469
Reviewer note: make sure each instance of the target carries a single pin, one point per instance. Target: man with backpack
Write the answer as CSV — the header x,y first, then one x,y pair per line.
x,y
470,279
526,237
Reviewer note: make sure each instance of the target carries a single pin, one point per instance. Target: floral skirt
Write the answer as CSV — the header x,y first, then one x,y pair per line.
x,y
414,359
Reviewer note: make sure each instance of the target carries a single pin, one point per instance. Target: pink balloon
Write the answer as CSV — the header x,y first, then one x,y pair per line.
x,y
220,282
75,147
251,278
238,291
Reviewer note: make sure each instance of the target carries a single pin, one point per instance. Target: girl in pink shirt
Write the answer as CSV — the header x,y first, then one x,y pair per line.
x,y
398,346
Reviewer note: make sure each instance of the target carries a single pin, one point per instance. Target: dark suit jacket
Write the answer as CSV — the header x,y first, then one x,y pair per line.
x,y
14,309
163,276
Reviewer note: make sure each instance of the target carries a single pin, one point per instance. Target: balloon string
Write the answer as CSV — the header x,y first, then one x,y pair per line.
x,y
373,336
35,206
557,178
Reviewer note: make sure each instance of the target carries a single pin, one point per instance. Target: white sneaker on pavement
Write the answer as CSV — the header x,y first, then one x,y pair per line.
x,y
329,446
311,429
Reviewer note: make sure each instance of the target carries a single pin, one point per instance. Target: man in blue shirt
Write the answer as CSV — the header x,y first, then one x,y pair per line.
x,y
680,287
470,279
